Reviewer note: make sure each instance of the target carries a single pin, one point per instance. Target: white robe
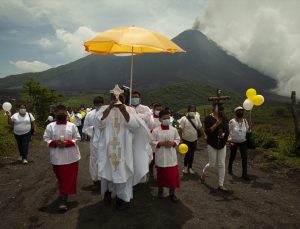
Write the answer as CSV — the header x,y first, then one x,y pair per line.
x,y
62,156
119,163
165,156
145,114
94,134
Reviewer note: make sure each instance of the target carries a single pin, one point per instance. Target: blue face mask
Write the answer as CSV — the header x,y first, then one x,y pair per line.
x,y
166,122
135,101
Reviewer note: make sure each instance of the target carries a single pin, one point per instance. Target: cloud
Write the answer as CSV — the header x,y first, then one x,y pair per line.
x,y
27,66
263,34
45,43
73,42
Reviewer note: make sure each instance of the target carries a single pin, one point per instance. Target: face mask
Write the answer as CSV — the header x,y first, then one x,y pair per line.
x,y
166,122
61,117
239,114
156,113
192,114
135,101
97,108
23,110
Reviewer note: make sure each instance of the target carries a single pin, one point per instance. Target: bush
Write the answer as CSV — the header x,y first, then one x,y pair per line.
x,y
8,145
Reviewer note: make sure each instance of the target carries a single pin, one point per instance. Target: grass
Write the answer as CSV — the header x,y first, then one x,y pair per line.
x,y
8,146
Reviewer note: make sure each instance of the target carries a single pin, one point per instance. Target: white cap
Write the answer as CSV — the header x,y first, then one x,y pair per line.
x,y
238,108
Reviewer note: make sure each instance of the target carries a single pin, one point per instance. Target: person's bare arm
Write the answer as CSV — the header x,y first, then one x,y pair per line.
x,y
9,121
106,112
124,112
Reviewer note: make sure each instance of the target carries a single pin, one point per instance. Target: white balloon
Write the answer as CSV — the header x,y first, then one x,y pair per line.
x,y
6,106
248,105
50,118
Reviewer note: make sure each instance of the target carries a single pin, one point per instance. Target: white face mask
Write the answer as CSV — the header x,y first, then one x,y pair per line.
x,y
22,110
156,113
192,114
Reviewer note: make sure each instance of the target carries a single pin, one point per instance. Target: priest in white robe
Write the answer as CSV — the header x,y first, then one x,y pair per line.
x,y
118,166
145,115
94,135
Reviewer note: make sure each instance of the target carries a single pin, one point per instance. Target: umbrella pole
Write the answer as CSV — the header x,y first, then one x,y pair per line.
x,y
131,76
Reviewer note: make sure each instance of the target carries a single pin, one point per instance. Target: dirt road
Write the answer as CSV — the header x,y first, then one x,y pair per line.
x,y
28,199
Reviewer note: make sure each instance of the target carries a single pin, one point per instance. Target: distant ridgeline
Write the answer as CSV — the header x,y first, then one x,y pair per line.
x,y
204,63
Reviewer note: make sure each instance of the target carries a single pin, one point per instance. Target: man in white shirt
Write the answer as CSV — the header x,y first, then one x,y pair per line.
x,y
62,137
94,135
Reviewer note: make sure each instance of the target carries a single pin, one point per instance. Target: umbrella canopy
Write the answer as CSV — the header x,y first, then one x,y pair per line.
x,y
130,40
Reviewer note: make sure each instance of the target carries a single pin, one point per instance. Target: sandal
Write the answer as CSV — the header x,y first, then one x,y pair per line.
x,y
202,178
63,207
223,189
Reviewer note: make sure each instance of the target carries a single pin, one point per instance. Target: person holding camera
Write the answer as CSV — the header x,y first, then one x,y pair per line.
x,y
216,128
190,130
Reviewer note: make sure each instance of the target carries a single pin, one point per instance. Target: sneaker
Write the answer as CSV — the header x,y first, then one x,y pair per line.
x,y
24,161
20,158
185,170
191,171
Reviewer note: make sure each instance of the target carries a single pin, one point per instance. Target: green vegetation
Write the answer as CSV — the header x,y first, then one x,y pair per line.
x,y
8,144
38,99
273,124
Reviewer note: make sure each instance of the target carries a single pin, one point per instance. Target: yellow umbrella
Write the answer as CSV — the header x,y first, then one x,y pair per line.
x,y
131,40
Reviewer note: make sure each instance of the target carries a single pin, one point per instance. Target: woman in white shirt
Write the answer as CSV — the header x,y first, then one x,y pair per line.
x,y
23,123
238,128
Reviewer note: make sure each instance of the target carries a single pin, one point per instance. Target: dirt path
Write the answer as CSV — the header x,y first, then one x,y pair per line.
x,y
28,199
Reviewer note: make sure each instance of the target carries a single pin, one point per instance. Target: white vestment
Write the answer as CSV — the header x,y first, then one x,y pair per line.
x,y
120,166
145,114
68,131
94,134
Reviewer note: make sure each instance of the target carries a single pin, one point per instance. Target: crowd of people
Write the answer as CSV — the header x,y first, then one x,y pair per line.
x,y
128,141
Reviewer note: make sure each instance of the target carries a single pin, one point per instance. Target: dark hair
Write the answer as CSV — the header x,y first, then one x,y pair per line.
x,y
136,92
98,100
22,104
60,107
191,106
156,105
163,112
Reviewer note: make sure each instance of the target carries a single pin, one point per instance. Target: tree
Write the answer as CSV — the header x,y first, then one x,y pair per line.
x,y
39,99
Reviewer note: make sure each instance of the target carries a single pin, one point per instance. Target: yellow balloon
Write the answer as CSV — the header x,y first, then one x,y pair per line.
x,y
258,100
250,93
72,119
183,148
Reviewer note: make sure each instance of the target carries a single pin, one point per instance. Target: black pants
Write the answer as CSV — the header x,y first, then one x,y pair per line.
x,y
189,156
80,131
243,150
23,144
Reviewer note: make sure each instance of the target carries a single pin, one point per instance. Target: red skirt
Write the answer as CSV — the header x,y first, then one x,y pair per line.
x,y
168,177
67,177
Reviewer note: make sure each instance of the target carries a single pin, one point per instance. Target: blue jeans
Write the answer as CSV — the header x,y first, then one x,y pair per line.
x,y
23,144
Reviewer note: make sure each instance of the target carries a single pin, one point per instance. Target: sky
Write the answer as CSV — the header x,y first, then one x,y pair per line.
x,y
36,35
